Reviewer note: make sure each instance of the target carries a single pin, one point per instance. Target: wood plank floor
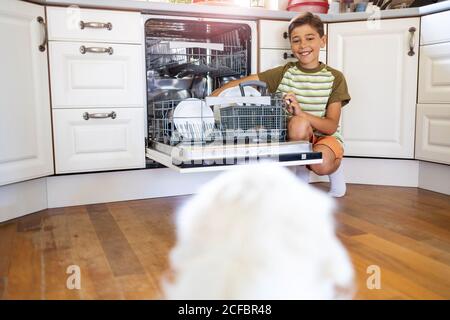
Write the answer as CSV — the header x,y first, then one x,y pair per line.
x,y
122,248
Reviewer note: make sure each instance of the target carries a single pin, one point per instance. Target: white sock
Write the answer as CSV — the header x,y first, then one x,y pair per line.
x,y
337,183
302,173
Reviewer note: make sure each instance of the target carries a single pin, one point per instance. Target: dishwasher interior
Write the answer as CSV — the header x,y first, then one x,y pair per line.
x,y
186,60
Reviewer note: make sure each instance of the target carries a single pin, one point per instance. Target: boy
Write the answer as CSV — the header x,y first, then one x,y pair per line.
x,y
314,93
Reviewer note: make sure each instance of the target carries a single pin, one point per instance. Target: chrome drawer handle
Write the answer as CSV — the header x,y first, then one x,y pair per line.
x,y
287,55
411,41
44,42
84,49
87,115
95,25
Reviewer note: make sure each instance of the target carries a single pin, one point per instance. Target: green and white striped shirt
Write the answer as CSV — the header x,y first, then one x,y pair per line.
x,y
315,88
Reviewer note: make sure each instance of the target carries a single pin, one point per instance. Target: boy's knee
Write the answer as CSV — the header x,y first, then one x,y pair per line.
x,y
322,169
299,129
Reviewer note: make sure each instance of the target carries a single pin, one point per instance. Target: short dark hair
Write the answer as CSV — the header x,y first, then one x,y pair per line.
x,y
307,18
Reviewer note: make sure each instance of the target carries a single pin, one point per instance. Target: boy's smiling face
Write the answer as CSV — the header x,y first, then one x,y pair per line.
x,y
305,44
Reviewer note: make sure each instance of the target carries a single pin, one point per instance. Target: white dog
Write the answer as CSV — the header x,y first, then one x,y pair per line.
x,y
258,233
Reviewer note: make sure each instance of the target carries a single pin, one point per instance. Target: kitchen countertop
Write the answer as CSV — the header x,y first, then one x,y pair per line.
x,y
239,12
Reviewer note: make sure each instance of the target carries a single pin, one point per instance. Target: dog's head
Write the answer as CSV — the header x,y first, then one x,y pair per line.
x,y
258,233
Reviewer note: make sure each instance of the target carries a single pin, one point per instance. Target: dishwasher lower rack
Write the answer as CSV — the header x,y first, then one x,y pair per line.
x,y
232,120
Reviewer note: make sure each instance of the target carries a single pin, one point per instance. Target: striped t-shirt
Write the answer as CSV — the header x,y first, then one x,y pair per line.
x,y
315,88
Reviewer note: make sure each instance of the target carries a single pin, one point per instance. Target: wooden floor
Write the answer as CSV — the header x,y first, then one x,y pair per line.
x,y
121,248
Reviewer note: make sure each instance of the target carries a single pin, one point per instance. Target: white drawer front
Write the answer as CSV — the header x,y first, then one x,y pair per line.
x,y
65,24
271,58
434,73
96,79
273,34
433,132
98,144
435,28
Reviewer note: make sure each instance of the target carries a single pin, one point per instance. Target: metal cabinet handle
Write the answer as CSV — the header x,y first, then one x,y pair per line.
x,y
287,55
285,35
87,115
95,25
84,49
411,30
44,42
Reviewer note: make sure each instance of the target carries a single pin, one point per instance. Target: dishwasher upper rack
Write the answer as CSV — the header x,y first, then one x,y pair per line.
x,y
237,119
223,61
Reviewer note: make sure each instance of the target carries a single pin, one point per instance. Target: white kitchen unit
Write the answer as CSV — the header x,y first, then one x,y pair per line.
x,y
98,139
274,45
379,60
433,108
97,75
88,25
435,28
25,125
91,80
433,132
434,73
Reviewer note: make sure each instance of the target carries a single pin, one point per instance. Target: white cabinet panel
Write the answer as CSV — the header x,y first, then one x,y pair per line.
x,y
99,144
93,79
271,58
98,25
25,125
434,73
382,80
433,132
435,28
273,34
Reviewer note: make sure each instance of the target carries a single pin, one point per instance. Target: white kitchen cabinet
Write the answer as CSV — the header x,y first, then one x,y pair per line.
x,y
435,28
382,81
271,58
433,132
75,24
25,125
434,73
98,139
92,75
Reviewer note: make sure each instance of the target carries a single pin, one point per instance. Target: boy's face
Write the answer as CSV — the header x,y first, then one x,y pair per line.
x,y
305,44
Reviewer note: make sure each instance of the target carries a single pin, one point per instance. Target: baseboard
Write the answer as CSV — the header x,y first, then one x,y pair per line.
x,y
71,190
19,199
388,172
434,177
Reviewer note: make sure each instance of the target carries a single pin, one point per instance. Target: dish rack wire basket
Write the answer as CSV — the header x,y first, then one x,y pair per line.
x,y
217,60
235,119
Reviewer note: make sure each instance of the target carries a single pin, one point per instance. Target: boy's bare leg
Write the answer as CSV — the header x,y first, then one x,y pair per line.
x,y
299,129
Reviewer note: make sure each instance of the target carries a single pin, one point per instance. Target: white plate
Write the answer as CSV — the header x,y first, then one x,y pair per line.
x,y
193,119
236,92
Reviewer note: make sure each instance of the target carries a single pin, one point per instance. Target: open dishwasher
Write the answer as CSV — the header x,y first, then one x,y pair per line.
x,y
188,130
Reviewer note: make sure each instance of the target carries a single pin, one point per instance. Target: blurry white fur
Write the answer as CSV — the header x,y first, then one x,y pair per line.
x,y
258,233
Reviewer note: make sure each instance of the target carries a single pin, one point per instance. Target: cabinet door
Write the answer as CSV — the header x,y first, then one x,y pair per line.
x,y
434,73
382,80
433,132
271,58
25,125
101,75
98,139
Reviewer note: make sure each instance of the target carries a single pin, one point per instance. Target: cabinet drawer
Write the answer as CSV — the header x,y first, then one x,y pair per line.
x,y
435,28
434,73
433,132
75,24
98,144
271,58
96,79
273,34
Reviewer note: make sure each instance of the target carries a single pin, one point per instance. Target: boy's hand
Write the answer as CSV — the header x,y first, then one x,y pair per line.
x,y
292,104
